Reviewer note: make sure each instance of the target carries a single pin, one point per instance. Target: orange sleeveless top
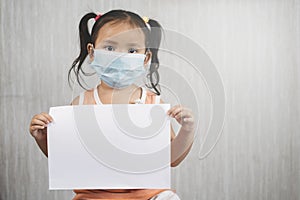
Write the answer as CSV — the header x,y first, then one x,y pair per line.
x,y
124,194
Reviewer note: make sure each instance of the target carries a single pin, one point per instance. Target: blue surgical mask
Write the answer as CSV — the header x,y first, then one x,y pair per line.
x,y
118,70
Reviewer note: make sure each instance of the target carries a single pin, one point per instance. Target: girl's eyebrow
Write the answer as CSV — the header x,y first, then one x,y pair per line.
x,y
132,44
110,42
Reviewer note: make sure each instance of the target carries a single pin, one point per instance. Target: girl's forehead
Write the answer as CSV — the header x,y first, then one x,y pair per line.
x,y
120,32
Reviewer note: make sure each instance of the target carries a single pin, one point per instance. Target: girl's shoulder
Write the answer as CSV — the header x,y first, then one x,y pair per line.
x,y
150,96
85,97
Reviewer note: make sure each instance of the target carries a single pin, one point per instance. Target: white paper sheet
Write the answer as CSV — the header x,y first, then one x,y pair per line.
x,y
109,147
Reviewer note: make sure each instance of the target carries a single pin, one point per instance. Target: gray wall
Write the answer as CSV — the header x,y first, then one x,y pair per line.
x,y
254,45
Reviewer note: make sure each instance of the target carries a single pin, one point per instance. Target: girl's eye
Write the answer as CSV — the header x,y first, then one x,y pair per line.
x,y
132,51
109,48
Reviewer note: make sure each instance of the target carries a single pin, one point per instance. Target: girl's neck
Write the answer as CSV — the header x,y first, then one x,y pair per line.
x,y
104,88
109,94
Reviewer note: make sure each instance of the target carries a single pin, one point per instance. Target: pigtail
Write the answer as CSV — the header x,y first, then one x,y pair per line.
x,y
85,38
154,43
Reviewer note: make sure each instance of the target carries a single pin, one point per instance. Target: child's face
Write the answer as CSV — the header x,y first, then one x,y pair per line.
x,y
120,37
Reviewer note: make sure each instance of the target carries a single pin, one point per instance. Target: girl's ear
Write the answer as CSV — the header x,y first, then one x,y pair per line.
x,y
148,57
90,50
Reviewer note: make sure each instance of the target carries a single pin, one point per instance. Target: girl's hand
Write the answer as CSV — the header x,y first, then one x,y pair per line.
x,y
38,125
184,116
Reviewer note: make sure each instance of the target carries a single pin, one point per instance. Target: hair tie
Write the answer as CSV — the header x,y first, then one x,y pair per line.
x,y
146,20
97,17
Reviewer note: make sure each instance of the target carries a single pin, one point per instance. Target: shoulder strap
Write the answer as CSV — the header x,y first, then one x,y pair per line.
x,y
81,98
143,96
96,96
157,99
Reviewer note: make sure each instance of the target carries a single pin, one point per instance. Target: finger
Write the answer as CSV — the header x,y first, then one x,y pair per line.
x,y
46,116
185,120
49,118
35,128
175,111
41,117
184,114
38,122
188,120
172,109
180,112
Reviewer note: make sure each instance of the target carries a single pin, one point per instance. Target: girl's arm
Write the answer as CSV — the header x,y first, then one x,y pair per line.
x,y
181,146
38,129
182,143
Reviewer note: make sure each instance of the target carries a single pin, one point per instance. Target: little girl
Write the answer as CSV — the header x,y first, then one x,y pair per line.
x,y
121,48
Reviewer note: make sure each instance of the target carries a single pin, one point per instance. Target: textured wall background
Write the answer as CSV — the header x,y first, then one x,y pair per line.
x,y
255,46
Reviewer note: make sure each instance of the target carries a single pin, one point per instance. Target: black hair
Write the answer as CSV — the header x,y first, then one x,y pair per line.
x,y
152,41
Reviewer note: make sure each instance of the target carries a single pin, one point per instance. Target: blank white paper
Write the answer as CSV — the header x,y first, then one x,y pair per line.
x,y
116,146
